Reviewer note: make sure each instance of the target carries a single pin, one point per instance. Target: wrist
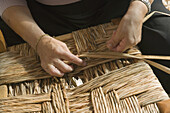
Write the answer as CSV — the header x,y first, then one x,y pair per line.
x,y
43,39
147,3
137,10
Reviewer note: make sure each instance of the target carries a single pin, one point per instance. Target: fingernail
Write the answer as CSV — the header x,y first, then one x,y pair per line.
x,y
81,60
71,69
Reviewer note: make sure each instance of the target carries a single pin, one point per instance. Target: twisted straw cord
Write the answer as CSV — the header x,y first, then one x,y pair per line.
x,y
112,55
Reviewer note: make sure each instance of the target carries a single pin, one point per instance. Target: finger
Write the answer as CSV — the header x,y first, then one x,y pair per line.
x,y
83,64
73,58
114,41
122,46
109,42
52,70
67,49
62,66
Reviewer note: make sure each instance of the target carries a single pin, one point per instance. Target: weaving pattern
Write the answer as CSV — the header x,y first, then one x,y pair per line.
x,y
115,85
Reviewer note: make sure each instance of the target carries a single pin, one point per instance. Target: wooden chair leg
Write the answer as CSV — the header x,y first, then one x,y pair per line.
x,y
3,88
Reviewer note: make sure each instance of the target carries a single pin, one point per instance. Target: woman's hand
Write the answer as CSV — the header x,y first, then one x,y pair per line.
x,y
127,35
52,52
129,30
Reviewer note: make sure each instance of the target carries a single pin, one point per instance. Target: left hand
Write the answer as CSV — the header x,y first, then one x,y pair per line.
x,y
128,33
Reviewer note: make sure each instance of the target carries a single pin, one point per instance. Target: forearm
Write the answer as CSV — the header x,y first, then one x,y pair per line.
x,y
21,21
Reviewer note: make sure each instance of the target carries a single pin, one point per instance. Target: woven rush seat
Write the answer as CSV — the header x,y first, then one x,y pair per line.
x,y
105,85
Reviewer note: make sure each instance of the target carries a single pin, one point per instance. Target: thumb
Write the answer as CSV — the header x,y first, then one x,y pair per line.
x,y
113,42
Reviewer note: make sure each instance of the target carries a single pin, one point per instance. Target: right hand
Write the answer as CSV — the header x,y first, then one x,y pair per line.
x,y
52,52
